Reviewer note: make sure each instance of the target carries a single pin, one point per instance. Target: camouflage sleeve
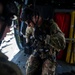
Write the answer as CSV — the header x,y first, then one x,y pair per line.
x,y
29,31
57,39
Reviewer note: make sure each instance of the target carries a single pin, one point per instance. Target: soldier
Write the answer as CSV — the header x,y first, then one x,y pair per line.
x,y
49,38
29,36
6,67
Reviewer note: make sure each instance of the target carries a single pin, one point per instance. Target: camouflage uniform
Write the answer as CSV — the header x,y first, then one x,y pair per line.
x,y
8,67
44,62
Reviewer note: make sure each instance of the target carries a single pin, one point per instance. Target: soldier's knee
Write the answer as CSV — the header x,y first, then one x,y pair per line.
x,y
32,61
32,65
48,68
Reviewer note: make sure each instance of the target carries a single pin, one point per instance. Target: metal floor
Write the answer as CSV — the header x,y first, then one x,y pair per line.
x,y
62,67
20,59
10,49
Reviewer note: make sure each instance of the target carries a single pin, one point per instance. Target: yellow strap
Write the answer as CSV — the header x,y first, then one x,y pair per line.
x,y
70,36
73,52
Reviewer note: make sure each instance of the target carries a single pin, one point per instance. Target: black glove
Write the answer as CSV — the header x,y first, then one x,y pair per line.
x,y
28,49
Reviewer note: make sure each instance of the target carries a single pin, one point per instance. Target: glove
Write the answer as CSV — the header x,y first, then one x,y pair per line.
x,y
27,50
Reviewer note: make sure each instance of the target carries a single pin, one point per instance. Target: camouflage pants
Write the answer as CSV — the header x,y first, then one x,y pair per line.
x,y
35,65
